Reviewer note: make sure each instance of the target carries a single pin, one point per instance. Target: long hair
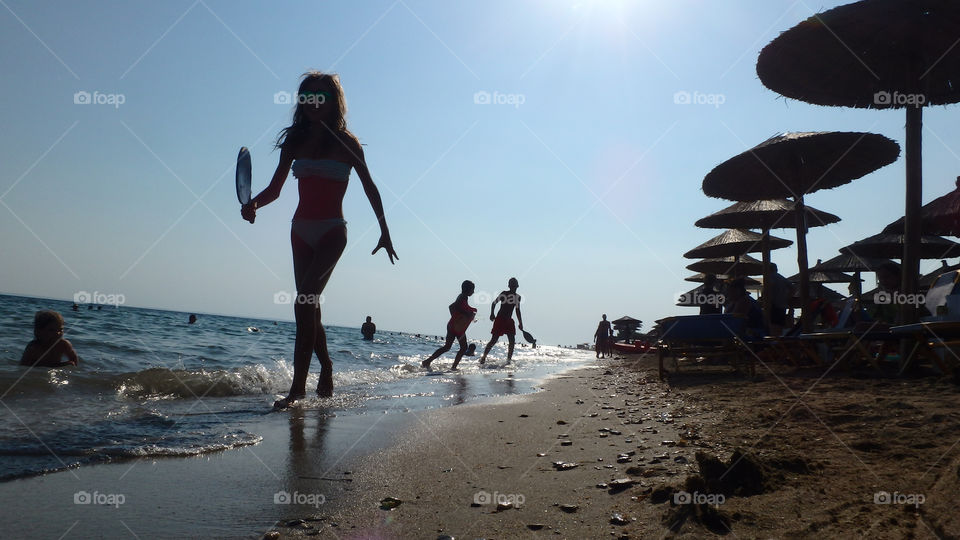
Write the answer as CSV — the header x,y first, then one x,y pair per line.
x,y
293,135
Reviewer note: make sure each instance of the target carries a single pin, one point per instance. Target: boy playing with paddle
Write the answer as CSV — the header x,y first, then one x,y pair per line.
x,y
461,315
503,321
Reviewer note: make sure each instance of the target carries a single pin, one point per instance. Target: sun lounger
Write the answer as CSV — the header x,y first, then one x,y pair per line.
x,y
709,336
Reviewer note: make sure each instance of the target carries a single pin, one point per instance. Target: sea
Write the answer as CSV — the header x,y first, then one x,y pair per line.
x,y
150,385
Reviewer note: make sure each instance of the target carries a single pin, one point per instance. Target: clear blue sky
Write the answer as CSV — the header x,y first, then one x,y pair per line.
x,y
584,185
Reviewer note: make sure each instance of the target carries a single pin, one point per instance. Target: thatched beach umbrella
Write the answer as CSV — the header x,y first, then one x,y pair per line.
x,y
890,246
748,282
847,262
742,265
940,216
794,164
765,215
875,54
824,276
734,242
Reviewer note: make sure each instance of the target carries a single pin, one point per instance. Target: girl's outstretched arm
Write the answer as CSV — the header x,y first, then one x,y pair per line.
x,y
272,191
373,194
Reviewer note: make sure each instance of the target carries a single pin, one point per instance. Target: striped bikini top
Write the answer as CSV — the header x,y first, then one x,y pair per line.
x,y
330,169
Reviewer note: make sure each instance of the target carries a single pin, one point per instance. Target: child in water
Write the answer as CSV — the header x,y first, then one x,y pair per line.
x,y
461,315
48,347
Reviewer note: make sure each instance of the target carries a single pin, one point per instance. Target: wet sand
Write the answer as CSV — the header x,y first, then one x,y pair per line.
x,y
787,454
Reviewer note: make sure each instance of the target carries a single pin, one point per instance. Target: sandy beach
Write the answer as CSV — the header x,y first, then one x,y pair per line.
x,y
610,451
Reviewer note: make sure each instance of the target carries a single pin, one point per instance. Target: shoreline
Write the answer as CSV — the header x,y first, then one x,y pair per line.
x,y
786,454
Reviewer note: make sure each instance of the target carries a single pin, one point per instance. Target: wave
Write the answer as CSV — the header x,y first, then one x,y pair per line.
x,y
147,435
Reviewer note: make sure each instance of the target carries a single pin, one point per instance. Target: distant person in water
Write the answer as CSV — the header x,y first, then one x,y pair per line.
x,y
48,348
509,301
368,329
321,151
602,336
461,315
192,319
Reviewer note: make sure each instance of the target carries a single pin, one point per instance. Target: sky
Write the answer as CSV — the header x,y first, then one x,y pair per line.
x,y
563,143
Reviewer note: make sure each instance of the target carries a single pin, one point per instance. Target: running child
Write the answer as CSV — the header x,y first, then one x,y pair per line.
x,y
461,315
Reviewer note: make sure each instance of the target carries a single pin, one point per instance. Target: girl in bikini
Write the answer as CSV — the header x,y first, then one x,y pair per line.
x,y
320,150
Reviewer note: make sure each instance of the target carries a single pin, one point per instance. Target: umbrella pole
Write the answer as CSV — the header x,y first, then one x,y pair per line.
x,y
913,199
857,290
767,300
800,211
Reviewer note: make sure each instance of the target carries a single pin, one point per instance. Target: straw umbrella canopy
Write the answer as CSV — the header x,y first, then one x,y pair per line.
x,y
765,215
824,276
734,242
847,262
748,282
743,265
940,216
875,54
890,246
794,164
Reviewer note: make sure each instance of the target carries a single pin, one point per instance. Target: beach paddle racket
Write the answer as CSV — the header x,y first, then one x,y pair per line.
x,y
243,175
528,337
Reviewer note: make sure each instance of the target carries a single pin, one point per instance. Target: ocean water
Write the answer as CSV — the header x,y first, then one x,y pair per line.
x,y
151,385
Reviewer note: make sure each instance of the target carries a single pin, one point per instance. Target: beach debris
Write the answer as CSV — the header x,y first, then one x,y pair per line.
x,y
580,402
524,416
569,508
272,535
389,503
445,537
561,422
623,458
604,429
565,465
448,470
535,526
541,454
563,435
604,435
614,432
620,484
566,443
503,506
618,519
681,460
668,443
602,485
593,415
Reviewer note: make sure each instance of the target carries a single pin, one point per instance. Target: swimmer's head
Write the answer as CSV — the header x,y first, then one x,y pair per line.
x,y
47,321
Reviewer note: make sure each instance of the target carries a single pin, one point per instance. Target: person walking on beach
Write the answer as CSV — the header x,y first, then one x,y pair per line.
x,y
368,329
321,151
49,348
503,321
602,336
461,315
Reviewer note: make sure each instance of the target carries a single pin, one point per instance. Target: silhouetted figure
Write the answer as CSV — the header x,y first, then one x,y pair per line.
x,y
461,315
368,329
710,292
781,291
192,319
602,336
740,302
503,321
48,347
320,151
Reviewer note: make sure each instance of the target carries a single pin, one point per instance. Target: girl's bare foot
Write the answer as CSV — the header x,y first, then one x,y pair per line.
x,y
286,402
